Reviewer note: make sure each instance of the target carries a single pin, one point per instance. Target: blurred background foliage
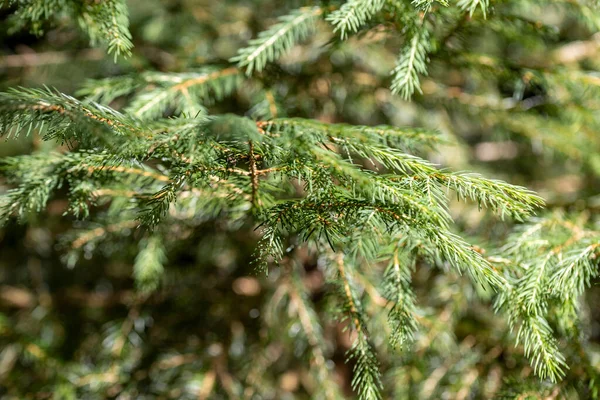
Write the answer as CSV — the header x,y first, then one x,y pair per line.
x,y
517,96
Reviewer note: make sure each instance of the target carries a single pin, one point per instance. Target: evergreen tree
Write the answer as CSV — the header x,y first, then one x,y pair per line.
x,y
266,200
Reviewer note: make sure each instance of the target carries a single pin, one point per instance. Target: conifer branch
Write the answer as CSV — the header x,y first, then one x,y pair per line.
x,y
148,179
156,93
185,93
404,137
366,380
399,294
353,14
471,6
62,118
148,267
100,231
105,22
553,259
412,61
118,168
310,324
277,40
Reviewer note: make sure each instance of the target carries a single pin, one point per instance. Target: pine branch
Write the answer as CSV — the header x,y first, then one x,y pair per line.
x,y
366,380
63,118
451,248
186,94
398,292
105,22
426,5
106,90
536,336
496,195
576,270
353,14
149,263
233,166
406,138
363,209
156,93
412,61
471,6
38,176
277,40
554,259
500,197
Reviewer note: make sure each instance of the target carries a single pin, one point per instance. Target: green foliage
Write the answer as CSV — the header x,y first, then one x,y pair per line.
x,y
173,183
277,40
472,5
156,94
353,14
372,209
554,261
411,62
148,267
366,381
62,118
105,22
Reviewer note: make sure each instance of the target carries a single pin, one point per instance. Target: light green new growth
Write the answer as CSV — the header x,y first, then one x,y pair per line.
x,y
554,261
412,61
426,5
272,43
149,264
471,6
277,40
353,14
156,94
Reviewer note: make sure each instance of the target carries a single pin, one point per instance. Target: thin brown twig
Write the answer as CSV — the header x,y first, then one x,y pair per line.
x,y
114,193
303,315
253,174
88,113
118,168
100,231
201,79
126,328
272,103
342,271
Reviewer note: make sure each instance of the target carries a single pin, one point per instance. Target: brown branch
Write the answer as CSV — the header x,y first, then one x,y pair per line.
x,y
305,320
253,174
201,79
114,193
313,340
149,174
126,328
100,231
576,51
342,271
272,103
87,113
